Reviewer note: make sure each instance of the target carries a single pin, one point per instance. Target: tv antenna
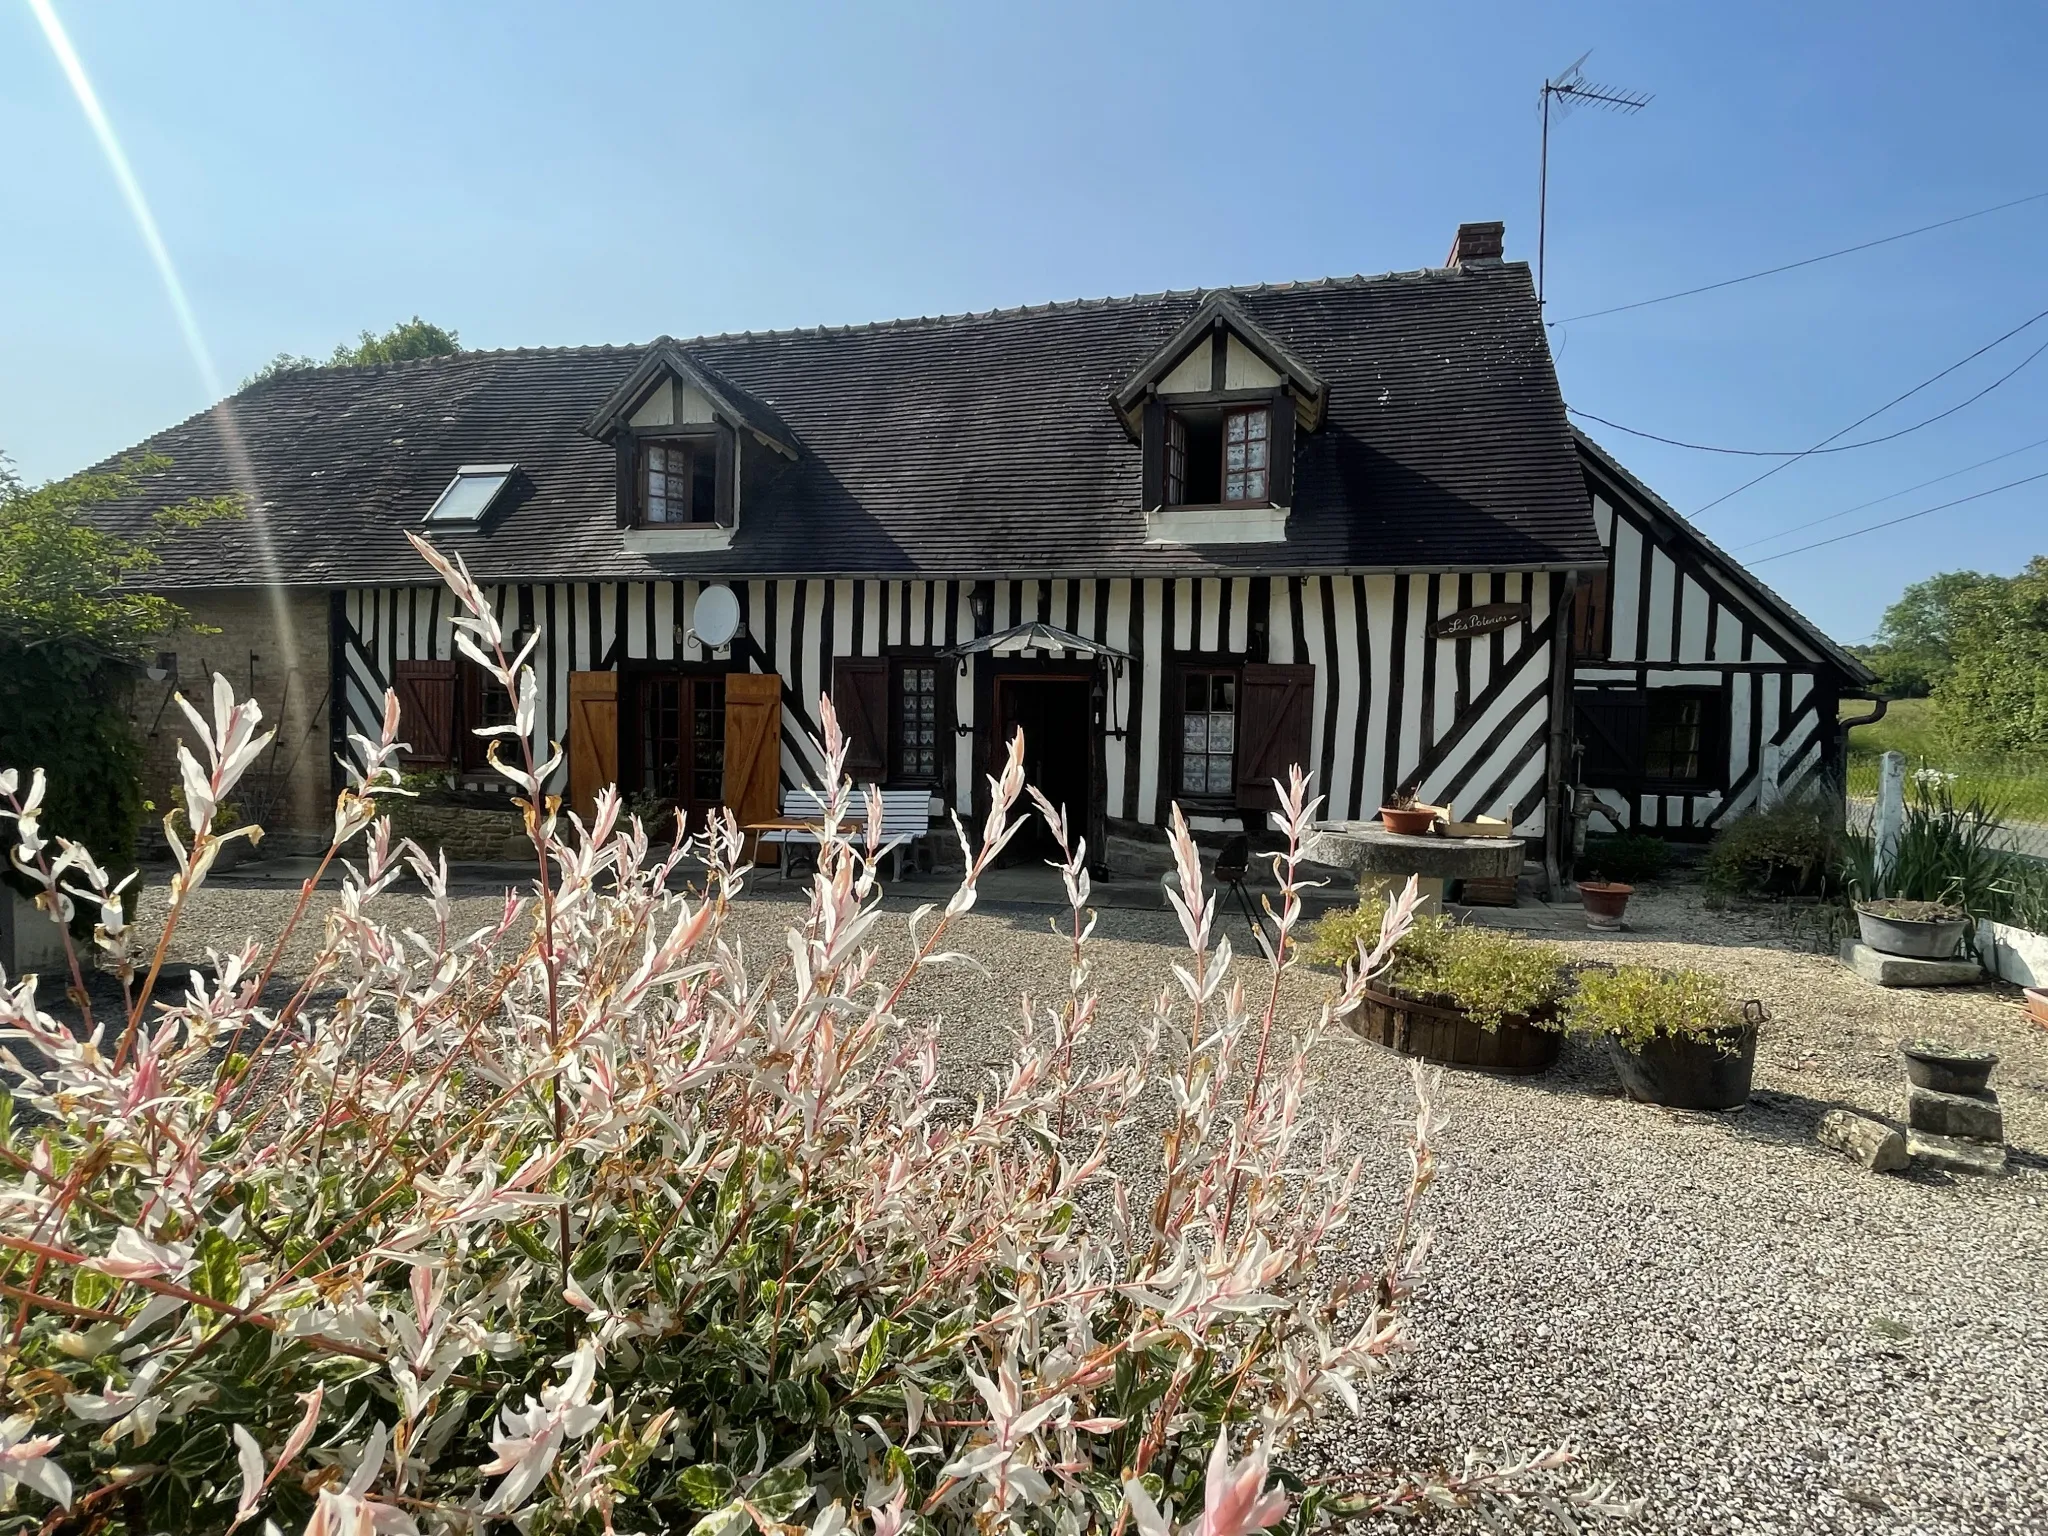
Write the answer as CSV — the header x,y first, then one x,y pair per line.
x,y
1571,89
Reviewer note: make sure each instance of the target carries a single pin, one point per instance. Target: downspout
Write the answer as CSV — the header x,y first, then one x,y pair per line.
x,y
1560,738
1842,729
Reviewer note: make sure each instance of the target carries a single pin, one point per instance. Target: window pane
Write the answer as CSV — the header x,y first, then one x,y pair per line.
x,y
1195,693
1194,733
1256,428
1223,692
1233,456
1237,428
1222,733
1255,485
1233,487
1255,456
1219,776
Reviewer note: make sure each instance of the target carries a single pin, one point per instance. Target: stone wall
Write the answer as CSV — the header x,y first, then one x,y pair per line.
x,y
462,832
272,648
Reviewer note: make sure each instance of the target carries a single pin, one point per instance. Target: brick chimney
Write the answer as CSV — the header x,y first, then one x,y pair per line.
x,y
1476,242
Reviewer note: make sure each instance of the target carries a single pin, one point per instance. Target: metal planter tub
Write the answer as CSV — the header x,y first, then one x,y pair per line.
x,y
1913,938
1516,1048
1710,1071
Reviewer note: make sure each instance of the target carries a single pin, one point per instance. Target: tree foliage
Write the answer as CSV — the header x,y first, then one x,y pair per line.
x,y
405,341
1918,638
73,630
1994,695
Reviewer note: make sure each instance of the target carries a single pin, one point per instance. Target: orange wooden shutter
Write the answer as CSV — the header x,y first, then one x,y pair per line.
x,y
426,702
593,737
753,745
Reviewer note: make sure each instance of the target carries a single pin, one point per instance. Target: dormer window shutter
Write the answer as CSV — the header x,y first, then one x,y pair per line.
x,y
1155,455
628,450
728,473
1280,450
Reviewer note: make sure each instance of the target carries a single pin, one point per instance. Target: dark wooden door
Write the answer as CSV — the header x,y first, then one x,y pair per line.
x,y
1053,711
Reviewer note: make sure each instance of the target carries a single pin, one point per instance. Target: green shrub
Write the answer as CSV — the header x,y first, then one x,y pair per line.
x,y
1947,852
1631,858
1487,973
1638,1003
1792,849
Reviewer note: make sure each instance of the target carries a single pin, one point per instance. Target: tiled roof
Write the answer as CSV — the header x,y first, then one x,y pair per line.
x,y
977,444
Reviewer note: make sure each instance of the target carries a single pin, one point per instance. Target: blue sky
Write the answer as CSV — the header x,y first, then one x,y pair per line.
x,y
535,175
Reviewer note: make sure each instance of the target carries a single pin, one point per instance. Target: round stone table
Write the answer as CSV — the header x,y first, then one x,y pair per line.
x,y
1384,860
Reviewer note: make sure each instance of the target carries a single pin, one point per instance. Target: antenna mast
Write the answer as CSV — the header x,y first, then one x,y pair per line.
x,y
1571,89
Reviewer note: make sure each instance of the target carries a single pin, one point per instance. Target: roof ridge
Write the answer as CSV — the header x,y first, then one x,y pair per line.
x,y
867,327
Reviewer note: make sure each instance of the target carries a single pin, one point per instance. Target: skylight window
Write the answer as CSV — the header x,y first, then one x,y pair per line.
x,y
470,494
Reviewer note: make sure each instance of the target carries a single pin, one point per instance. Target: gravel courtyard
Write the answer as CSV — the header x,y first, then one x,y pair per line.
x,y
1723,1317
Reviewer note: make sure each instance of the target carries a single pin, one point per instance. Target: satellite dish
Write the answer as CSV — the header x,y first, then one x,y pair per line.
x,y
717,618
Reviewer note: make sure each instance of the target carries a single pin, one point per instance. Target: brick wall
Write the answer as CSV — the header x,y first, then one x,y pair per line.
x,y
271,650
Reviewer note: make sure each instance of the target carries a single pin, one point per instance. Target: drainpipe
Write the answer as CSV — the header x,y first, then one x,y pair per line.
x,y
1560,737
1842,729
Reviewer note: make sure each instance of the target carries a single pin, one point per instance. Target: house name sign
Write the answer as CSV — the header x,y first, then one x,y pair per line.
x,y
1480,621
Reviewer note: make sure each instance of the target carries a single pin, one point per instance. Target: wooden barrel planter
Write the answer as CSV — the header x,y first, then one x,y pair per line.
x,y
1518,1047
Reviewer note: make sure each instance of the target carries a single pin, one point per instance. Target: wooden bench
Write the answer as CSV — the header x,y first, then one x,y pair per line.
x,y
906,821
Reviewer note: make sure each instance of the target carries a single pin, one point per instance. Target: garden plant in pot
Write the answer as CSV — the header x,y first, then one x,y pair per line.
x,y
1675,1037
1940,1067
1401,814
1918,930
1454,993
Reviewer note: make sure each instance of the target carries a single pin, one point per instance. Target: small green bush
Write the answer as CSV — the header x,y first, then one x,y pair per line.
x,y
1631,858
1491,975
1792,849
1639,1003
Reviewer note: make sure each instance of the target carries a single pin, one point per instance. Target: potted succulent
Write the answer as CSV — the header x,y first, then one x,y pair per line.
x,y
1455,993
1675,1037
1946,1068
1917,930
1401,814
1605,901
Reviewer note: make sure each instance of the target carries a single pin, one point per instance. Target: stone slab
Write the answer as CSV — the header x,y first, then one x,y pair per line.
x,y
1955,1154
1367,848
1975,1116
1863,1140
2017,955
1901,971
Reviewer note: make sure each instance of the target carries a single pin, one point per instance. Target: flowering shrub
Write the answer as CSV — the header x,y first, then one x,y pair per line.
x,y
593,1219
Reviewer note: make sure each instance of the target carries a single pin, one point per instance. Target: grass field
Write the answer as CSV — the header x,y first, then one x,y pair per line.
x,y
2015,787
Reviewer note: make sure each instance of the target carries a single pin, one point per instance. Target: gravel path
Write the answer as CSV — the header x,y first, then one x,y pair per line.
x,y
1723,1317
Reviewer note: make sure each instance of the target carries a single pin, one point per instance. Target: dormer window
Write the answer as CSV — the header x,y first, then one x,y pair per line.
x,y
1219,458
678,481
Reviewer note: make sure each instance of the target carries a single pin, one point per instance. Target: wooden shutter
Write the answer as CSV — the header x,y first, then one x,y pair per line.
x,y
593,737
753,745
1275,729
627,447
1613,732
860,694
1154,448
426,698
1280,451
728,473
1589,615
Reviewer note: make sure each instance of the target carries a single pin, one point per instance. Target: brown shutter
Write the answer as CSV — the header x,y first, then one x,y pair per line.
x,y
1276,728
1612,725
593,737
860,695
728,472
1155,454
1280,451
426,700
628,451
753,746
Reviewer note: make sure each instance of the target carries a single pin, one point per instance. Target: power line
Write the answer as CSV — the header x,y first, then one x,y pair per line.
x,y
1790,266
1894,522
1892,496
1790,454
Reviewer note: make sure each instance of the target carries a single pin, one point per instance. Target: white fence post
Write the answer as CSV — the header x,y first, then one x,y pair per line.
x,y
1891,809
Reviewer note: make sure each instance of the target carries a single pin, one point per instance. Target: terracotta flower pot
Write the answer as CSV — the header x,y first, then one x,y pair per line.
x,y
1605,901
1410,823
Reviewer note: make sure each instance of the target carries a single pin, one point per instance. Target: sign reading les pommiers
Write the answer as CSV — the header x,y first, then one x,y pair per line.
x,y
1479,621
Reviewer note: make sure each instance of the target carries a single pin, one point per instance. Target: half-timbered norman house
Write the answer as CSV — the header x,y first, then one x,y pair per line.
x,y
1181,540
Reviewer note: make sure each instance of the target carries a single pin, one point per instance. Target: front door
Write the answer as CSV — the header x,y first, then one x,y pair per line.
x,y
675,747
1053,712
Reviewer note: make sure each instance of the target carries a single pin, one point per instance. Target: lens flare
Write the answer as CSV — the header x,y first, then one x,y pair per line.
x,y
239,464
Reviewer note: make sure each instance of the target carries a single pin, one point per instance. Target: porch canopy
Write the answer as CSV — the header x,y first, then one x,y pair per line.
x,y
1036,636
